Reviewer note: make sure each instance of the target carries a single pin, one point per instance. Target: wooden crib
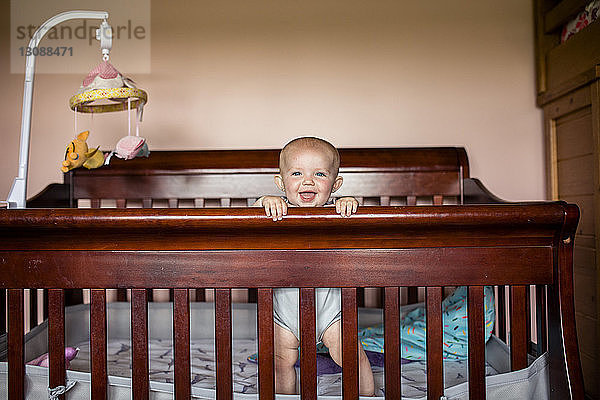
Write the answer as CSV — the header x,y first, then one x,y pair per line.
x,y
180,221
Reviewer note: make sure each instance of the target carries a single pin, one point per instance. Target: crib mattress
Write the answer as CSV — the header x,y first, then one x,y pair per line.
x,y
529,383
245,374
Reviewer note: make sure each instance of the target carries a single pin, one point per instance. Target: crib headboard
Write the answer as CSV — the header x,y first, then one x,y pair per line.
x,y
224,178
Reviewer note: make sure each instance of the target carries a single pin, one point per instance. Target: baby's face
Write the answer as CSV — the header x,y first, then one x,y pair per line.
x,y
309,177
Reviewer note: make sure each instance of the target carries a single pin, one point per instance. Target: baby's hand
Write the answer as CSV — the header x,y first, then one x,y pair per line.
x,y
275,207
346,206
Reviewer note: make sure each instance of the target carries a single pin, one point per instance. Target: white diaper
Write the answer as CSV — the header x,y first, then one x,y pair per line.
x,y
328,309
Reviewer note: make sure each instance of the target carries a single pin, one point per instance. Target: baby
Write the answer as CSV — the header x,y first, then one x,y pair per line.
x,y
308,175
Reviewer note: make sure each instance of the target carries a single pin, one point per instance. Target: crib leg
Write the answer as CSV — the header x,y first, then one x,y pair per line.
x,y
562,334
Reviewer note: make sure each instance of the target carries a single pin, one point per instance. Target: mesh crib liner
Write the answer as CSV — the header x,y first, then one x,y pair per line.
x,y
528,383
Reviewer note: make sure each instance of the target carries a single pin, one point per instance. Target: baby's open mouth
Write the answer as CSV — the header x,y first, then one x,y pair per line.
x,y
307,196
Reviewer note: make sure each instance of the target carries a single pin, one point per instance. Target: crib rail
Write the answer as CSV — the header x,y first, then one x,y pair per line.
x,y
523,225
387,247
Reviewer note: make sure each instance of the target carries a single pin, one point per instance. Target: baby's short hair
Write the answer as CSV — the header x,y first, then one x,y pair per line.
x,y
310,142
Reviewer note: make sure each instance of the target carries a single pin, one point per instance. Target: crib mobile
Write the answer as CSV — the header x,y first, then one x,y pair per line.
x,y
105,89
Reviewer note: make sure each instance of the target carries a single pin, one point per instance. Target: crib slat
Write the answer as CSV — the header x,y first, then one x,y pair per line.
x,y
225,202
252,295
541,321
121,294
266,371
438,200
94,203
384,200
199,203
45,305
33,306
476,343
223,343
501,313
147,202
98,343
181,342
518,331
391,319
121,203
308,348
3,315
360,293
412,294
173,203
435,368
250,201
139,342
349,344
56,338
528,321
16,347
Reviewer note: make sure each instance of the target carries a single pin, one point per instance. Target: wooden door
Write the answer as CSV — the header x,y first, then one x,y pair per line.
x,y
572,137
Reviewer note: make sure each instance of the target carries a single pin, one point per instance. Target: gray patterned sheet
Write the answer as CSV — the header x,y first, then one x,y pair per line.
x,y
414,383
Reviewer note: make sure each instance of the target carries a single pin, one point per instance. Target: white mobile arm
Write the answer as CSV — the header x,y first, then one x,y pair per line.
x,y
18,192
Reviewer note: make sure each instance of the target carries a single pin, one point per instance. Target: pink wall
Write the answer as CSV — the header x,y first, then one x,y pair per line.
x,y
253,74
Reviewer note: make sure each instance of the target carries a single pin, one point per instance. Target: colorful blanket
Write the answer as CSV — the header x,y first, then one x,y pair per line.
x,y
454,324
